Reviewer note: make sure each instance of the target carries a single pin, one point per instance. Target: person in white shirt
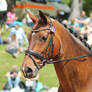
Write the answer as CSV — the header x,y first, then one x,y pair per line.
x,y
3,5
20,34
86,21
3,10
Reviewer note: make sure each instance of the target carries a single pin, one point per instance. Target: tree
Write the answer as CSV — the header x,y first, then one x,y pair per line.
x,y
11,3
76,8
87,6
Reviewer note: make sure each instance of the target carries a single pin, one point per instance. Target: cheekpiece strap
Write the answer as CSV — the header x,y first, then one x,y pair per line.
x,y
52,28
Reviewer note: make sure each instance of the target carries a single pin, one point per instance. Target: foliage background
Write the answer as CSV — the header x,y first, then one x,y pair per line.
x,y
87,5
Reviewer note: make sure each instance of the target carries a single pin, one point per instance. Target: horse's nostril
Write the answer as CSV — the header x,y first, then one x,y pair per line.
x,y
28,70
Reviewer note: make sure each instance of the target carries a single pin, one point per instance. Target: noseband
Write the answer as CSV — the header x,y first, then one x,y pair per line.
x,y
31,53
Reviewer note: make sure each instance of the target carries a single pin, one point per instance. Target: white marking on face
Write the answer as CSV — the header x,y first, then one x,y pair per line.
x,y
33,34
23,68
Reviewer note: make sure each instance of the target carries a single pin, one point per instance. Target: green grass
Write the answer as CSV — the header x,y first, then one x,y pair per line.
x,y
47,74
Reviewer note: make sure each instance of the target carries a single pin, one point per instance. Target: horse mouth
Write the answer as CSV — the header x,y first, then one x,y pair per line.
x,y
30,75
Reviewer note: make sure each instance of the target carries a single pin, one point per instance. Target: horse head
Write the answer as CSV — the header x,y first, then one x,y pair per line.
x,y
44,44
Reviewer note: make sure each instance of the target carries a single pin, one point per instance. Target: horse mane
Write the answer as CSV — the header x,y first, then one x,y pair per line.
x,y
76,35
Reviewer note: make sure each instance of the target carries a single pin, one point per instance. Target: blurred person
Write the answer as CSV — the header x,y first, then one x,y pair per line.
x,y
20,88
11,17
3,6
82,17
74,25
87,21
3,11
5,88
84,32
13,77
13,46
65,23
59,15
1,40
33,85
89,37
20,34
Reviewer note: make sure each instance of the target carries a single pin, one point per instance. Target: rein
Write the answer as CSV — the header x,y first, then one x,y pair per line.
x,y
68,59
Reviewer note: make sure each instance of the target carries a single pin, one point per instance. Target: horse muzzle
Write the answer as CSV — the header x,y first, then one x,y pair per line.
x,y
29,73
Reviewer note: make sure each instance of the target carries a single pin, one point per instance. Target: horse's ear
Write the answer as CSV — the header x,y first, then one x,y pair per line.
x,y
32,16
43,17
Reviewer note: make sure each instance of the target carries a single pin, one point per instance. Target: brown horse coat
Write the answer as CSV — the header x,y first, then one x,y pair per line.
x,y
75,75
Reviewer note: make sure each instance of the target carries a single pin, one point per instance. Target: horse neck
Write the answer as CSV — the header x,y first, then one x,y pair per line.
x,y
70,46
73,69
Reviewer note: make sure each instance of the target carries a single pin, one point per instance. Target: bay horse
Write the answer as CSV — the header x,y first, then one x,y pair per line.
x,y
50,42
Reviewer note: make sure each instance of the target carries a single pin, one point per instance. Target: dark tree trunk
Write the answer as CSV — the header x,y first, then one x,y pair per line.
x,y
11,3
81,4
76,8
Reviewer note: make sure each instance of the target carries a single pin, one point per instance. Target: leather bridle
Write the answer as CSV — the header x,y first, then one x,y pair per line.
x,y
49,47
44,60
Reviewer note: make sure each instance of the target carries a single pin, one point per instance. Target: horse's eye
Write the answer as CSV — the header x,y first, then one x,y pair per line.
x,y
44,38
